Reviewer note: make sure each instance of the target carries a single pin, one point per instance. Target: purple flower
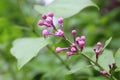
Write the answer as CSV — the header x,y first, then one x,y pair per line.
x,y
74,32
73,49
50,14
83,38
59,33
41,22
45,32
49,20
98,49
60,20
58,49
69,53
44,16
104,72
77,39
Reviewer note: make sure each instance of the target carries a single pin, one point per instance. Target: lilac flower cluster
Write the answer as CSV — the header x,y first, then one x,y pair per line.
x,y
79,42
98,49
48,23
77,45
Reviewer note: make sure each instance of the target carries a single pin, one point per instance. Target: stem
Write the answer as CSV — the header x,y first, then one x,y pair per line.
x,y
113,78
67,39
9,66
96,58
62,61
92,61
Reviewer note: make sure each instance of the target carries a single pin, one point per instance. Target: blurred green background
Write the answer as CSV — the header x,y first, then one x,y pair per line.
x,y
19,19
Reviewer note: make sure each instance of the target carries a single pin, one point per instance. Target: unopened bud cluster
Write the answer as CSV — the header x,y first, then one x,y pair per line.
x,y
79,42
47,21
98,49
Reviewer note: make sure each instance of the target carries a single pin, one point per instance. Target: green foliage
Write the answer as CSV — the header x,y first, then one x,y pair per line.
x,y
107,42
64,8
25,49
117,58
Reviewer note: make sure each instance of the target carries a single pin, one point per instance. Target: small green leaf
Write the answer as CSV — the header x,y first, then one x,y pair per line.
x,y
65,8
107,42
24,49
117,58
117,70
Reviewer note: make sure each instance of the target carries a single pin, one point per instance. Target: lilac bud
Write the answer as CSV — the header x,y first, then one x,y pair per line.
x,y
74,32
73,45
73,49
77,39
104,72
45,32
83,38
50,14
59,33
97,52
81,43
99,44
58,50
44,16
69,53
49,20
60,20
47,24
41,22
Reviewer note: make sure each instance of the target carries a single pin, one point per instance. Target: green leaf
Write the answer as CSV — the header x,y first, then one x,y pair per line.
x,y
24,49
117,70
65,8
107,42
117,58
79,66
89,51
